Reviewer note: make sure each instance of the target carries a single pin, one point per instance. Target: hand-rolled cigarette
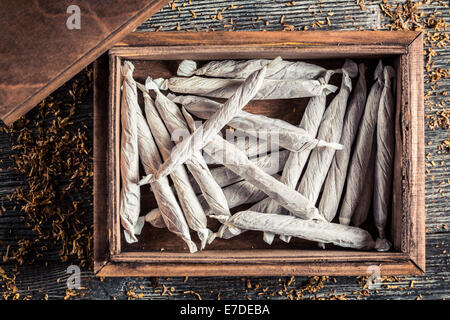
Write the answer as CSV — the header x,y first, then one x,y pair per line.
x,y
334,183
270,164
202,135
193,211
384,159
313,230
176,124
330,129
233,158
155,218
294,166
283,133
169,208
129,158
241,69
362,149
225,88
364,202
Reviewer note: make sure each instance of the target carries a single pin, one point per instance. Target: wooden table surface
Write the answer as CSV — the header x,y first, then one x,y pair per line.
x,y
42,277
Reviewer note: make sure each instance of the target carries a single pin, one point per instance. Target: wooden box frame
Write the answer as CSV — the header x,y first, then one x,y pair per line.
x,y
408,221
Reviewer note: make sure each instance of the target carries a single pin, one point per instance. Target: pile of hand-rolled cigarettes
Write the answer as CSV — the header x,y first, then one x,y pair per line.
x,y
295,179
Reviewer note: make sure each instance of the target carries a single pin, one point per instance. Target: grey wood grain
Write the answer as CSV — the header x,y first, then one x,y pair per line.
x,y
42,277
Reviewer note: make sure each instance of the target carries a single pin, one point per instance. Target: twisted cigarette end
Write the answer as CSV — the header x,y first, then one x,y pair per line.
x,y
187,68
206,236
332,145
317,216
329,88
191,245
382,244
146,180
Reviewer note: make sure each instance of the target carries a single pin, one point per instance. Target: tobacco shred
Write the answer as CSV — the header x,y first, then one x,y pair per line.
x,y
53,155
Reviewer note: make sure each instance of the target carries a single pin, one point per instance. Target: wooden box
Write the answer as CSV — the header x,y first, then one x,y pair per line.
x,y
160,253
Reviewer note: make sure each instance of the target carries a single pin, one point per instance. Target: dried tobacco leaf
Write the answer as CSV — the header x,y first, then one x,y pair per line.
x,y
52,151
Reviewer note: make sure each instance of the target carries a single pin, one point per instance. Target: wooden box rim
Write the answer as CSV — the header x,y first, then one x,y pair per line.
x,y
108,261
